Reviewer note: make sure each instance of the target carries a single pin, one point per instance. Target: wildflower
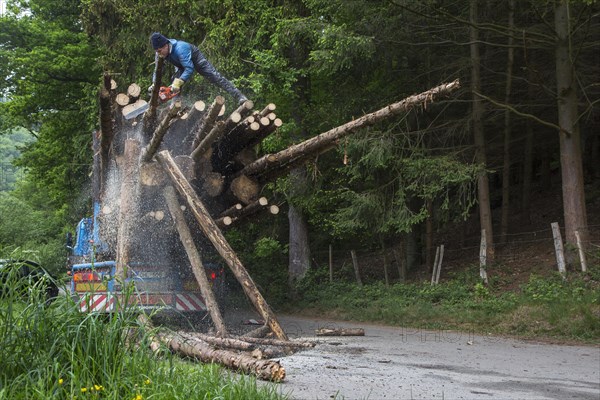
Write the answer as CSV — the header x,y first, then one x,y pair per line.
x,y
83,390
60,381
98,387
147,381
138,397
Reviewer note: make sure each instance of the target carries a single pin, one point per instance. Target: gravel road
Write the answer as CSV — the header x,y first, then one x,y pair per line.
x,y
400,363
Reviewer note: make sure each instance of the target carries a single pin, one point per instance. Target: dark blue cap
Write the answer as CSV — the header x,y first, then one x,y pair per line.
x,y
158,40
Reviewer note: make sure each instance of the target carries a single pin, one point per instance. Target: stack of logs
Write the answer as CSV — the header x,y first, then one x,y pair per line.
x,y
209,159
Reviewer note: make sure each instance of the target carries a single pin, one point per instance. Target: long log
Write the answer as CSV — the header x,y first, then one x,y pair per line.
x,y
128,202
160,131
263,369
107,133
340,332
207,122
251,208
327,140
151,115
195,260
216,133
215,235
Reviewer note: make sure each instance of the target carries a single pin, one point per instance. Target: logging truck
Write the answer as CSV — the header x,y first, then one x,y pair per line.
x,y
147,283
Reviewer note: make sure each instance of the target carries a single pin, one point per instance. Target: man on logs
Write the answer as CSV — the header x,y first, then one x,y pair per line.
x,y
186,58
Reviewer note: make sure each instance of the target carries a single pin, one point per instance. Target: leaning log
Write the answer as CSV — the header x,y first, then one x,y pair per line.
x,y
215,235
206,124
269,370
195,260
151,115
160,131
327,140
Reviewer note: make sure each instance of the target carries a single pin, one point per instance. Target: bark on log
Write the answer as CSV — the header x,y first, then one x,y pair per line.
x,y
327,140
150,116
128,202
195,260
277,342
245,108
214,234
224,343
263,369
217,132
251,208
231,211
158,135
207,122
268,109
107,132
340,332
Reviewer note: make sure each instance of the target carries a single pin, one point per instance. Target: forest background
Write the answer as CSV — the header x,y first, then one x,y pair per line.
x,y
515,149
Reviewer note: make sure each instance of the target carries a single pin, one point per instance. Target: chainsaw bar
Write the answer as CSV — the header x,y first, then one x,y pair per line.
x,y
133,110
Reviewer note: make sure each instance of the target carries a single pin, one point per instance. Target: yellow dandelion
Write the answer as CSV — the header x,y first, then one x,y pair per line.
x,y
98,387
61,381
138,397
147,381
83,390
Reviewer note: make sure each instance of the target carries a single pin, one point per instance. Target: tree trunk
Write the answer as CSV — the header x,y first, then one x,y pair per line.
x,y
213,233
507,127
299,258
195,260
570,137
483,191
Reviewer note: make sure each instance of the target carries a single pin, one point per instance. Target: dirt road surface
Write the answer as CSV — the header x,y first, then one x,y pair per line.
x,y
400,363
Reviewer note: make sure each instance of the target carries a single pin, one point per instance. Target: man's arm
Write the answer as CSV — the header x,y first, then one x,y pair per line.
x,y
183,52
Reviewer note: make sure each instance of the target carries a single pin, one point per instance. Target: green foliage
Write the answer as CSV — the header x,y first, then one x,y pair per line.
x,y
48,349
547,307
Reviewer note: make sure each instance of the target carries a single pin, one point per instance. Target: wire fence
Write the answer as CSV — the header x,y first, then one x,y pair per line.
x,y
518,251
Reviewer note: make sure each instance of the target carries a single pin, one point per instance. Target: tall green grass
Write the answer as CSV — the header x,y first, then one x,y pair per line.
x,y
49,350
543,307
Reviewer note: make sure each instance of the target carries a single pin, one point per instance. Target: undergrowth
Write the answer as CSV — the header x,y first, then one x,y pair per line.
x,y
544,307
49,350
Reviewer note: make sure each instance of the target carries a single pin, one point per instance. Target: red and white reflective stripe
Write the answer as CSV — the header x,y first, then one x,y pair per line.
x,y
97,302
189,302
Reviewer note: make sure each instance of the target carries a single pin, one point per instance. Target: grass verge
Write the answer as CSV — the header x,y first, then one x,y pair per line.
x,y
49,350
545,308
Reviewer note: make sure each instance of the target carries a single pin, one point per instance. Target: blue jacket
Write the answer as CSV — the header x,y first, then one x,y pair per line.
x,y
181,57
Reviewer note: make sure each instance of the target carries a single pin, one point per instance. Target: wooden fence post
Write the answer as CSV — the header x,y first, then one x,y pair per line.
x,y
558,248
435,263
483,258
439,267
580,248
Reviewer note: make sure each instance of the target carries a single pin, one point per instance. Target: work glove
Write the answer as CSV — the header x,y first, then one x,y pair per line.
x,y
150,89
176,85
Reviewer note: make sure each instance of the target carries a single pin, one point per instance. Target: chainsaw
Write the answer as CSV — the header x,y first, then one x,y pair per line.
x,y
165,93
